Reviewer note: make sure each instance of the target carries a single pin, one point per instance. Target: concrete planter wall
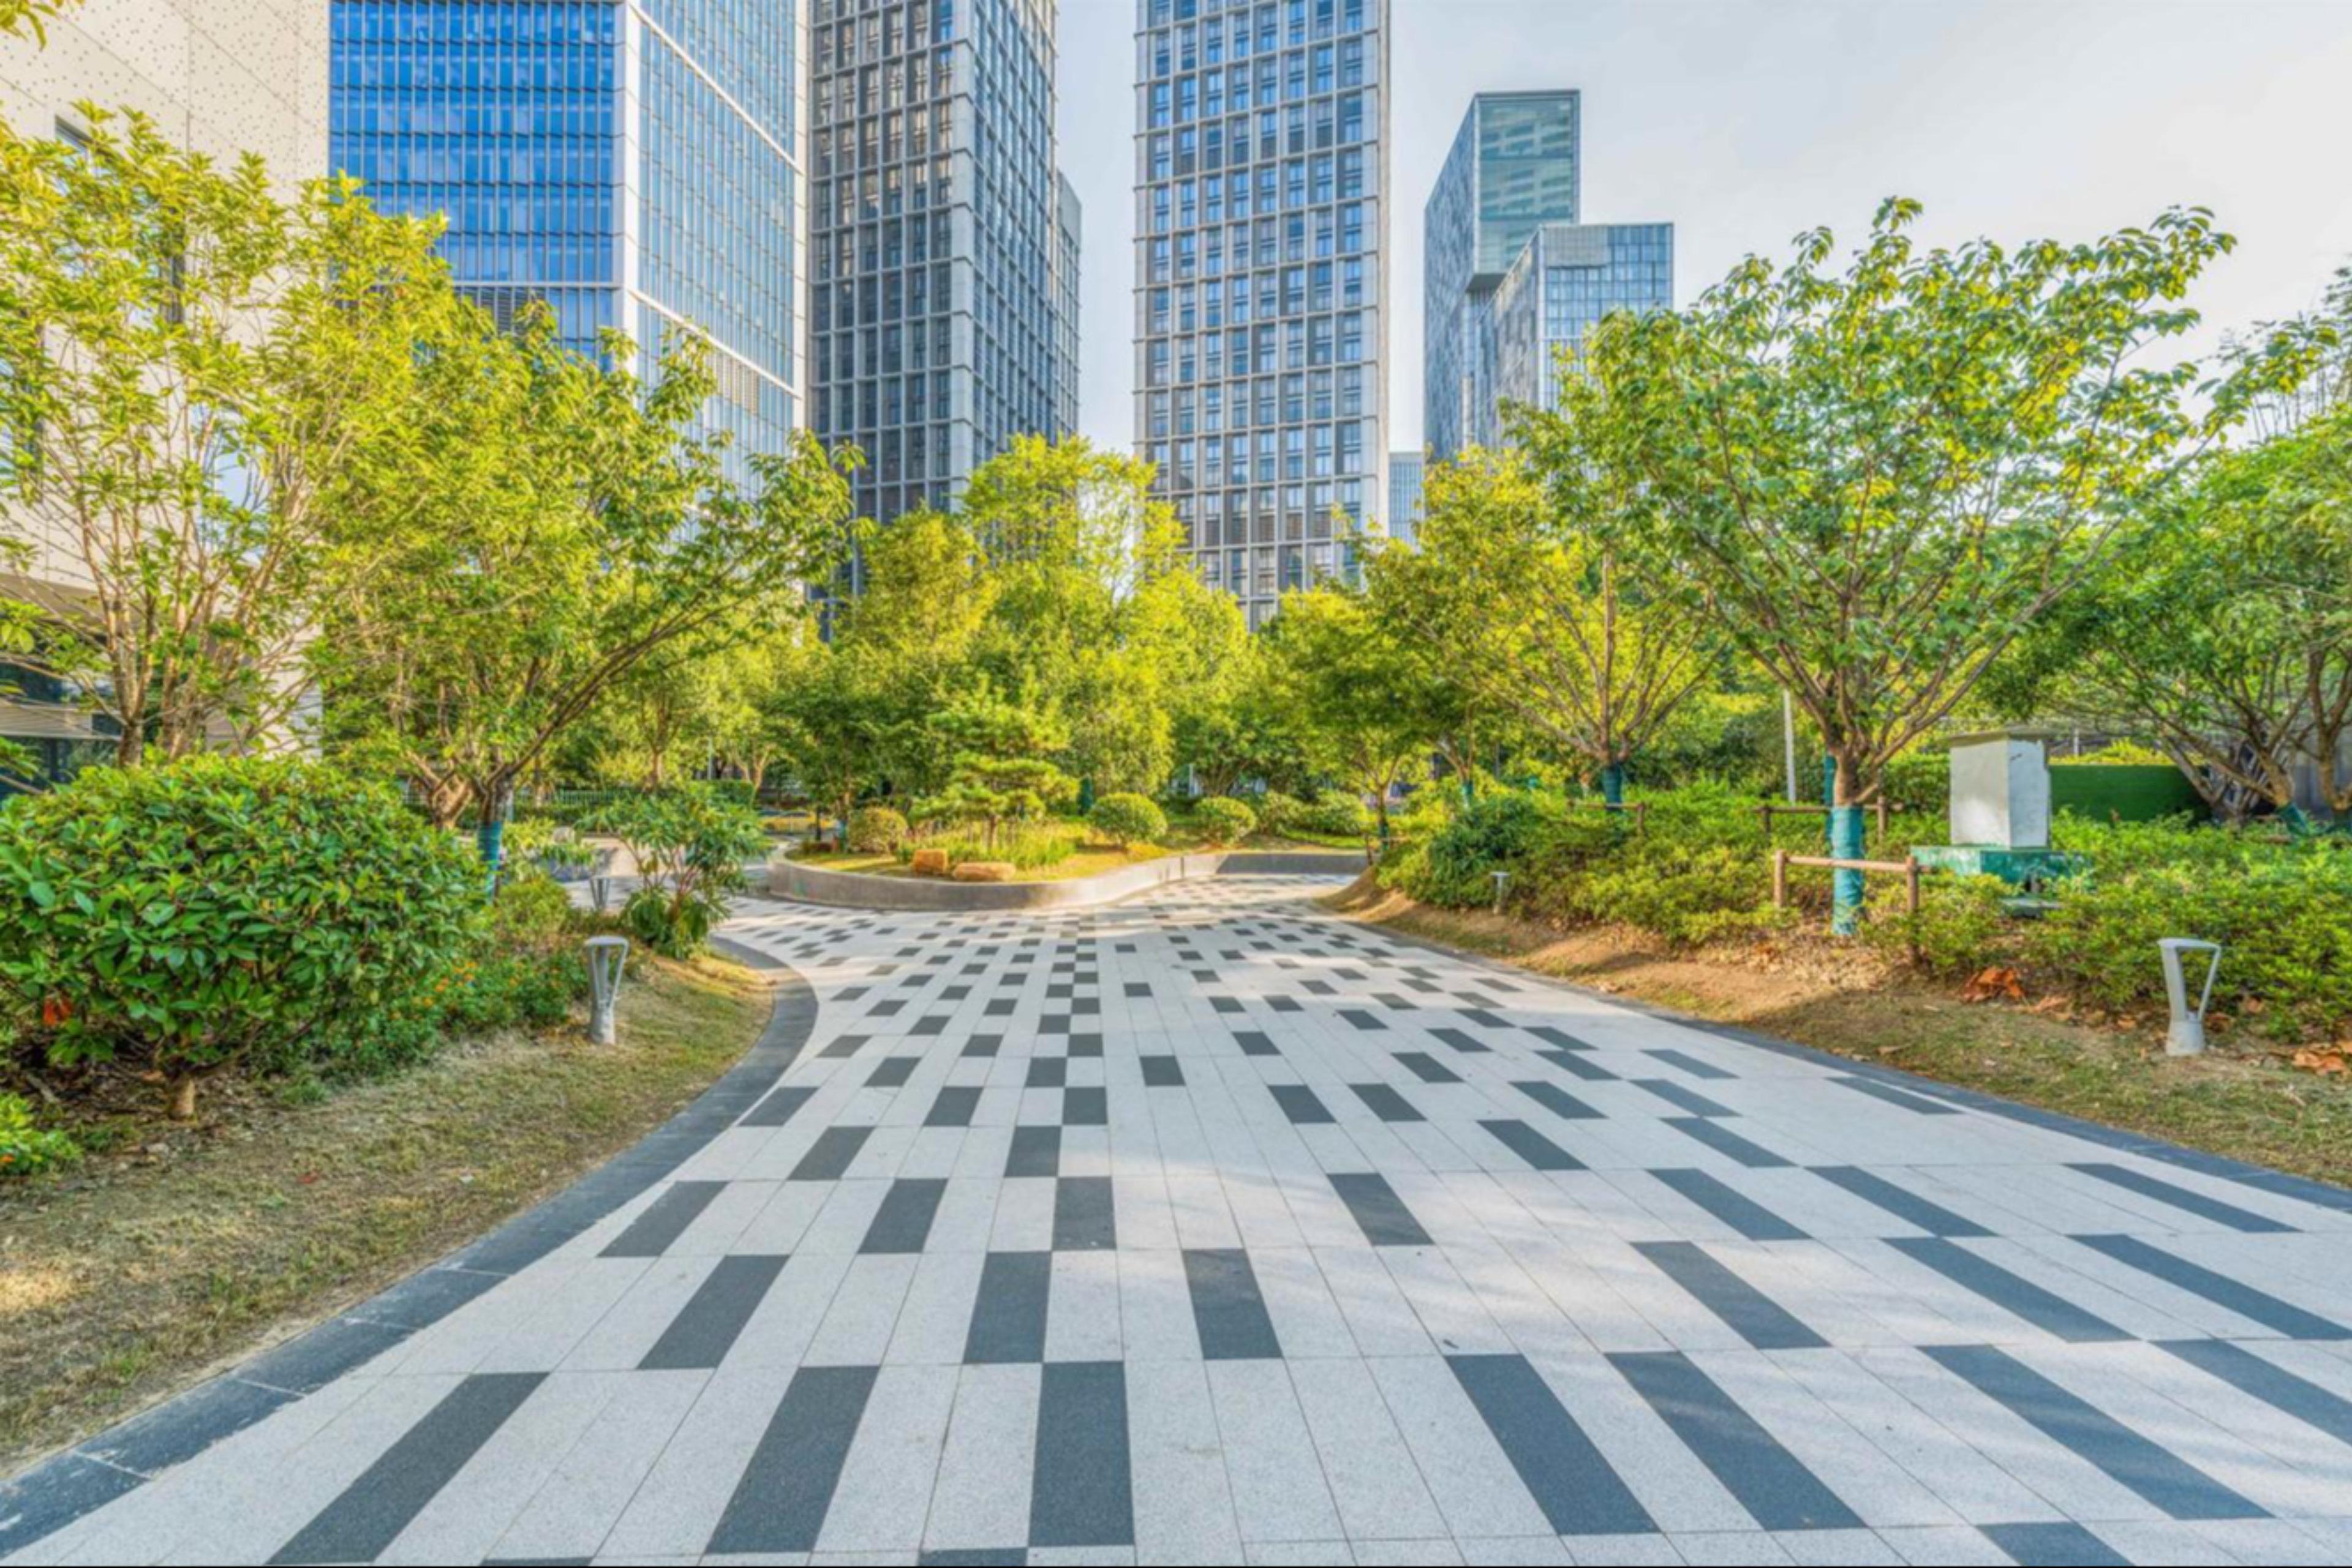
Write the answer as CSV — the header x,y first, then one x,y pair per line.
x,y
851,890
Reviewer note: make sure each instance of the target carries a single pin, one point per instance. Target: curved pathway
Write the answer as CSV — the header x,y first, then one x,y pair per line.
x,y
1210,1228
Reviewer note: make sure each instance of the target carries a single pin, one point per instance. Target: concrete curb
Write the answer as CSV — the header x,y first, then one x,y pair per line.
x,y
798,883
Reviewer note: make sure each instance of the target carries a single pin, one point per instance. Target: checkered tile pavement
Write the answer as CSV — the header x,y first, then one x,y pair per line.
x,y
1210,1229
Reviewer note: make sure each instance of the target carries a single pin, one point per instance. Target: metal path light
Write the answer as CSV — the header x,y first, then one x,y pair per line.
x,y
606,956
2186,1037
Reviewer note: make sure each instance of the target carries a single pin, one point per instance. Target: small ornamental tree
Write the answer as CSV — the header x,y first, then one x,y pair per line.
x,y
24,18
1002,770
1875,481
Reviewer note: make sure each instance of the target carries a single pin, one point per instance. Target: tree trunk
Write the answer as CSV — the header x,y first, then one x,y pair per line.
x,y
1848,840
183,1098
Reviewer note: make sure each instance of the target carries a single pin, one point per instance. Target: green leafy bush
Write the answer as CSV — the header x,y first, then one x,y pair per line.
x,y
1959,930
689,844
1127,820
1222,820
25,1148
1280,815
877,830
1337,817
1499,831
2281,911
195,915
525,970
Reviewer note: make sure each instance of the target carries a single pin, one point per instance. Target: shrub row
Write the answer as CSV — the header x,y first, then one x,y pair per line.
x,y
1698,872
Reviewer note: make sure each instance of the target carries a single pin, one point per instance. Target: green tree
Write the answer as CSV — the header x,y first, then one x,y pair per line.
x,y
1877,481
554,524
195,371
1353,684
1522,600
1003,770
2223,629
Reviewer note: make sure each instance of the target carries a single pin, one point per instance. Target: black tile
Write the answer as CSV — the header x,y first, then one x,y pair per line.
x,y
1723,1141
706,1327
1301,1104
2257,1306
2053,1546
1558,1101
2010,1292
1048,1072
1083,1216
1253,1043
781,1501
1736,1209
1426,1068
1754,1316
1908,1206
1080,1493
2183,1199
1381,1214
1227,1308
1772,1483
650,1234
1386,1103
892,1072
1683,1099
1459,1041
367,1515
1008,1316
1085,1108
830,1155
903,1223
2154,1472
955,1106
1532,1146
1571,1479
1163,1072
1035,1152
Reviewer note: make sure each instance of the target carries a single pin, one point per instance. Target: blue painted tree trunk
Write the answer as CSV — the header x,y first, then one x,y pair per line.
x,y
490,839
1846,843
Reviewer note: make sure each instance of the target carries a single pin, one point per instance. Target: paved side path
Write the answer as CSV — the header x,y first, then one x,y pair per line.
x,y
1211,1229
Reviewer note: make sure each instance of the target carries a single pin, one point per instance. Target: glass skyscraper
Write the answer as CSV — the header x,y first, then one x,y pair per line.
x,y
1566,278
1402,523
1069,236
1261,282
634,164
941,235
1514,167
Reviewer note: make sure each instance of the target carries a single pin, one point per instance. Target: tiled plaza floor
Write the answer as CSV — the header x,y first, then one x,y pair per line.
x,y
1210,1229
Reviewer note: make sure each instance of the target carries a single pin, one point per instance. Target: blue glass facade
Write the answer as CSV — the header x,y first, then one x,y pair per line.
x,y
635,163
1260,268
1404,521
1568,277
1514,167
937,239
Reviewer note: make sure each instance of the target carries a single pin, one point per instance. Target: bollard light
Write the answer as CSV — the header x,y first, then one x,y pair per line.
x,y
606,955
600,879
2186,1036
1502,880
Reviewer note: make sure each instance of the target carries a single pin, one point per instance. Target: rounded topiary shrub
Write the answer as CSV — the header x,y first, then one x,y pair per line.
x,y
1223,821
876,830
1129,819
1337,815
191,916
1280,813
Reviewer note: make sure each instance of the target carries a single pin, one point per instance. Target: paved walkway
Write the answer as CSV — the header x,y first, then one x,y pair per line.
x,y
1208,1228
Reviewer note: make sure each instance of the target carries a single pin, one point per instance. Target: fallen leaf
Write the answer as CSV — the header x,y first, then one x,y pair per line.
x,y
2331,1062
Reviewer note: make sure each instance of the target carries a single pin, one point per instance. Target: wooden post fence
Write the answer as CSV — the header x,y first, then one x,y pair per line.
x,y
1908,868
1770,809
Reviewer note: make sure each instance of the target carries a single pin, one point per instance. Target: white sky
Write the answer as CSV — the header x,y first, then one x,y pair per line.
x,y
1745,122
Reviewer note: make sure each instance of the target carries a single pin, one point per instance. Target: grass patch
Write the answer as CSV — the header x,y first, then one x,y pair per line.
x,y
133,1275
2242,1099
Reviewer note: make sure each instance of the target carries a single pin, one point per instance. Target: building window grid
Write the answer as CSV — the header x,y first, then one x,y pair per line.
x,y
1257,197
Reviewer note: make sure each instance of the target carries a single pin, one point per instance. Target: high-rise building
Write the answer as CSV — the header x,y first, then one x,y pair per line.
x,y
937,226
1262,220
220,76
1069,245
1405,473
1566,278
632,163
1514,167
